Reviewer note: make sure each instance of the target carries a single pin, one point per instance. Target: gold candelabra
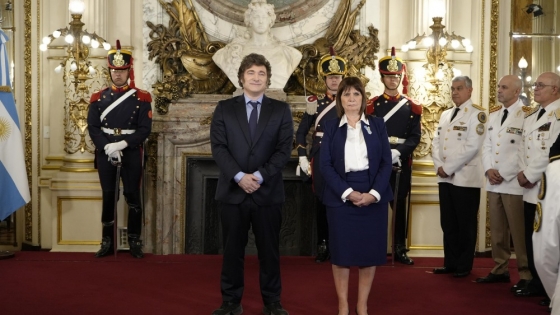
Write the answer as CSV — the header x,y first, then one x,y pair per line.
x,y
79,71
431,83
437,44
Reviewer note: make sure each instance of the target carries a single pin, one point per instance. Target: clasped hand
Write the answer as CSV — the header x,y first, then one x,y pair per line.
x,y
249,183
441,173
115,146
524,182
361,199
494,177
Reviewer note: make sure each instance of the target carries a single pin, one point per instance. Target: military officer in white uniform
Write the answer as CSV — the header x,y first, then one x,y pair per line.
x,y
546,238
456,153
540,130
505,196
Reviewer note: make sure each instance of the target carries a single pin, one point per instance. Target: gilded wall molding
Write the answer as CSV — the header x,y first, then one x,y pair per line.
x,y
28,119
493,82
38,126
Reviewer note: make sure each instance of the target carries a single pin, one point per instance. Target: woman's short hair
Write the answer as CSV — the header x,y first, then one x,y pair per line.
x,y
254,60
345,85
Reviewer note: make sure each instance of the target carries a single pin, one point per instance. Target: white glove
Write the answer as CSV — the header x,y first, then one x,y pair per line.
x,y
395,154
115,146
114,157
304,164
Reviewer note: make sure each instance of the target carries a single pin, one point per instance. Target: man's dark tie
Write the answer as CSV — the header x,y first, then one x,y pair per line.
x,y
504,116
541,113
455,113
253,118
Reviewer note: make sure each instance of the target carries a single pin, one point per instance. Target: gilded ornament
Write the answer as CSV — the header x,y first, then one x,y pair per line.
x,y
393,66
538,218
542,189
334,66
118,59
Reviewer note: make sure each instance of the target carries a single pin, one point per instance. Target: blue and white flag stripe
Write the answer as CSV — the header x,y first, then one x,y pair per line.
x,y
14,188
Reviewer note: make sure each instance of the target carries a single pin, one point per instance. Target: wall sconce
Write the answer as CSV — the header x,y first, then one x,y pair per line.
x,y
80,70
522,64
535,9
525,80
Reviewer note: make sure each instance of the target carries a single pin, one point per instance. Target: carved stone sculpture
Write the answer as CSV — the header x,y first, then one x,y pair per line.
x,y
258,38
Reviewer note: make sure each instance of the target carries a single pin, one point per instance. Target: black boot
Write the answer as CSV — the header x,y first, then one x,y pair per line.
x,y
106,247
323,253
401,256
135,246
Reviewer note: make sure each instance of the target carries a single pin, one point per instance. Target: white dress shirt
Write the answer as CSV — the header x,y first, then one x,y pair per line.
x,y
355,152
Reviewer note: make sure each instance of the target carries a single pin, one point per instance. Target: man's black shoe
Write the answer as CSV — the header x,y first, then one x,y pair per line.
x,y
323,253
229,308
528,292
494,278
274,309
461,274
135,246
519,285
401,256
545,302
106,247
443,270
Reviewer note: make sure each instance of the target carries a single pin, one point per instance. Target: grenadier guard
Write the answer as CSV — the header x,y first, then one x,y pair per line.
x,y
402,117
119,121
319,109
540,129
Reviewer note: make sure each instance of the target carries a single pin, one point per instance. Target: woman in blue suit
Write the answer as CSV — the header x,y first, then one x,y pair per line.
x,y
356,163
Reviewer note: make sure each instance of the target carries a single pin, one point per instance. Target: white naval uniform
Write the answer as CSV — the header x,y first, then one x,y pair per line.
x,y
499,150
456,146
538,137
546,241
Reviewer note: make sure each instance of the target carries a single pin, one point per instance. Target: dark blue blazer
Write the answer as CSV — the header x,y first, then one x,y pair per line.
x,y
333,164
234,151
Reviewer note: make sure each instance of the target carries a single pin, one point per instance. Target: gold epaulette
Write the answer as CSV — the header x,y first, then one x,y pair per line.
x,y
532,111
494,109
479,107
526,108
144,96
557,114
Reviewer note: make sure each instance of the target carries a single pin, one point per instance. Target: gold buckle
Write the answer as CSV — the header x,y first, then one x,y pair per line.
x,y
117,131
393,140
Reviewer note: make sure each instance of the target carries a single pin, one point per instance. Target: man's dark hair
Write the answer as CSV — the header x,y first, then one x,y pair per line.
x,y
254,60
346,84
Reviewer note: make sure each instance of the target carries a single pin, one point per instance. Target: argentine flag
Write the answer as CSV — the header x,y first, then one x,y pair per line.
x,y
14,189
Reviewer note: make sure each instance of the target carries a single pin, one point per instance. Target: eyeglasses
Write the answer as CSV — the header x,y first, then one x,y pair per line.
x,y
539,85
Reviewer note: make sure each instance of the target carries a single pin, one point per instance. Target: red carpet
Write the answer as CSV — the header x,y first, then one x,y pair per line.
x,y
78,283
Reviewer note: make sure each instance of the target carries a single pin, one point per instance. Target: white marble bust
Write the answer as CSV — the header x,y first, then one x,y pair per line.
x,y
258,38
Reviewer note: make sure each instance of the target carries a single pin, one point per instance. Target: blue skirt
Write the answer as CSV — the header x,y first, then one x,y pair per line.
x,y
358,236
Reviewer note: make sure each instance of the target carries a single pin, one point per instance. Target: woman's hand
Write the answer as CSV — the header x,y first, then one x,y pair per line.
x,y
354,197
366,200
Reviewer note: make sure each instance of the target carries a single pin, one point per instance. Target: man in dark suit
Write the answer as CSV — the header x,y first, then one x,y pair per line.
x,y
251,137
